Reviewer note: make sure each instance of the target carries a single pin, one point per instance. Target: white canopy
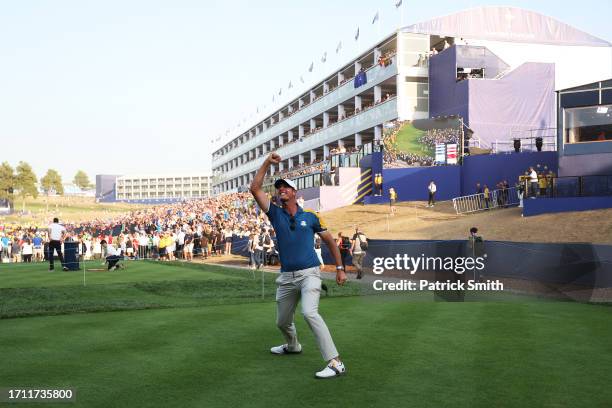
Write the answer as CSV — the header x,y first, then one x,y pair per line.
x,y
501,23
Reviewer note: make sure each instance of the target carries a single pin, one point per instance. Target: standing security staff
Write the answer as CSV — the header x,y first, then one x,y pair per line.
x,y
56,235
432,193
300,268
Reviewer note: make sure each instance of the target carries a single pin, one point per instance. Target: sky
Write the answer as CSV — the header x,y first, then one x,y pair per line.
x,y
142,86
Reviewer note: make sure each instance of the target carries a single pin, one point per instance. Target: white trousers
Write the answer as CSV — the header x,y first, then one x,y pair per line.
x,y
306,284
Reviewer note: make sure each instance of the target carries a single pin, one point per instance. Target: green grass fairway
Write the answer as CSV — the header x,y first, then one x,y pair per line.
x,y
407,141
68,209
204,342
31,290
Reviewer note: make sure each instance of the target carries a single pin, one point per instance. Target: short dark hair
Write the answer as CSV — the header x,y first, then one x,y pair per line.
x,y
55,219
103,242
473,230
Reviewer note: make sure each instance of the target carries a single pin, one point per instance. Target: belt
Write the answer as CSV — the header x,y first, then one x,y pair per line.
x,y
300,272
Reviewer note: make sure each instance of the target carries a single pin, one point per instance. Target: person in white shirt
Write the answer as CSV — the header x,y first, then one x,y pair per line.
x,y
155,248
228,235
143,245
97,248
533,180
112,255
300,201
27,249
87,247
180,243
432,192
56,235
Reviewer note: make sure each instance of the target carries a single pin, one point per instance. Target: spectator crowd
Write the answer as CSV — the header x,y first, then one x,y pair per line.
x,y
166,232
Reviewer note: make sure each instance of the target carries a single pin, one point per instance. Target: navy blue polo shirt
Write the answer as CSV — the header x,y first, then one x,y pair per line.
x,y
295,247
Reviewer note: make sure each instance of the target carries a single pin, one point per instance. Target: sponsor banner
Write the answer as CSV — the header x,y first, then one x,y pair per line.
x,y
441,153
451,153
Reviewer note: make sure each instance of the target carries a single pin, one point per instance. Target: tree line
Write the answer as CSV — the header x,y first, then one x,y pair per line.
x,y
21,182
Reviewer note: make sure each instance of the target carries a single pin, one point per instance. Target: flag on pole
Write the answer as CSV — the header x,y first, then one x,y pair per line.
x,y
302,78
375,19
290,85
311,67
398,3
339,47
324,57
357,34
280,91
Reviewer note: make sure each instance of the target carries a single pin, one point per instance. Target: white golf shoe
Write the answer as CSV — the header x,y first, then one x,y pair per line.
x,y
335,368
285,349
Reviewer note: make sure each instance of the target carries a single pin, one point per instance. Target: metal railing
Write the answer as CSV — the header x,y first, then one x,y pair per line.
x,y
369,118
376,75
546,187
528,138
502,198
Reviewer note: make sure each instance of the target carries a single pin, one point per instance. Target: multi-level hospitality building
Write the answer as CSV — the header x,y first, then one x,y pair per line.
x,y
162,187
339,111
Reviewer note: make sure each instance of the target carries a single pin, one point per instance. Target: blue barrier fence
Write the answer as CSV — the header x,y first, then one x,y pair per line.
x,y
583,264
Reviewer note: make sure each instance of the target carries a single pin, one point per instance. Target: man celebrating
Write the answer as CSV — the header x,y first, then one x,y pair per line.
x,y
300,274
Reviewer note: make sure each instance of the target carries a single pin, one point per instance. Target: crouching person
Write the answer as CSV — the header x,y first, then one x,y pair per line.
x,y
113,256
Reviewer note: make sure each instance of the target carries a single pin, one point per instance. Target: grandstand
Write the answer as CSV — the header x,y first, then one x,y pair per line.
x,y
485,65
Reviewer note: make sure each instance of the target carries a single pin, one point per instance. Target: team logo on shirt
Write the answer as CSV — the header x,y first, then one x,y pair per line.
x,y
303,223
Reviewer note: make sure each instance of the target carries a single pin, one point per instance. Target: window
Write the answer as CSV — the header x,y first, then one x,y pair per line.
x,y
579,99
588,124
606,96
469,73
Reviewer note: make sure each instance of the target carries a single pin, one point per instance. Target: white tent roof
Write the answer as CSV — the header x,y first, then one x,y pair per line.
x,y
502,23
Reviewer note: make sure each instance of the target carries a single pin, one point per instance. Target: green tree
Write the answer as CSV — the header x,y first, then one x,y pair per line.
x,y
25,182
81,180
7,182
52,181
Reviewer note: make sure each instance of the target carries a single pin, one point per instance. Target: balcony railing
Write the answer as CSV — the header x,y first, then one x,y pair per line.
x,y
365,119
376,74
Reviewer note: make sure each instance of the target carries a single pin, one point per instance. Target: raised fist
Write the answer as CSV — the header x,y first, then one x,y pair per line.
x,y
274,158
